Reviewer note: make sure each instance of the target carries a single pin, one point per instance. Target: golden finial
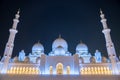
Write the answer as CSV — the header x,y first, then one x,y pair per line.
x,y
81,41
59,35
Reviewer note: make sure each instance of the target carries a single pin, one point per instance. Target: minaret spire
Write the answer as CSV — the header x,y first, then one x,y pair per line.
x,y
106,31
10,44
81,41
18,11
101,11
109,44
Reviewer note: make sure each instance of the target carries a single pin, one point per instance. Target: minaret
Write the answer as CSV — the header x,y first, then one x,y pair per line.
x,y
109,44
10,44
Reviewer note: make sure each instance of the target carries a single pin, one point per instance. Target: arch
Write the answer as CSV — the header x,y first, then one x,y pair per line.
x,y
68,70
51,69
59,68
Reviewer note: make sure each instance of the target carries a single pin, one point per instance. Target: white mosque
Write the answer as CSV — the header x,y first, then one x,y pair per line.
x,y
59,61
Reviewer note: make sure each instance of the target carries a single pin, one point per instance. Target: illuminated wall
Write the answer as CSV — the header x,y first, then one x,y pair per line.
x,y
48,61
95,71
23,70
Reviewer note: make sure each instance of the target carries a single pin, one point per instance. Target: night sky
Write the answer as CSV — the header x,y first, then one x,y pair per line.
x,y
44,20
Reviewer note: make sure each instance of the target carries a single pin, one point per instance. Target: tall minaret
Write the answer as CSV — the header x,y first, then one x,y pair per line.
x,y
109,44
10,44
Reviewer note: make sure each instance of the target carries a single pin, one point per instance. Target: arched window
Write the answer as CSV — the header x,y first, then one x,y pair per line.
x,y
59,68
51,70
68,69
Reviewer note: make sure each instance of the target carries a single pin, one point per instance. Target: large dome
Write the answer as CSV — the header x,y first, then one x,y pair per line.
x,y
59,51
82,48
60,42
37,48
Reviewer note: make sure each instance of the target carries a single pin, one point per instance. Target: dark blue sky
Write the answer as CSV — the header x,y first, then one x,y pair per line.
x,y
44,20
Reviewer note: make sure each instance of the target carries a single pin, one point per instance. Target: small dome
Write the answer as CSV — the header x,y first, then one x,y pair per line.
x,y
60,42
92,59
59,51
82,48
37,48
15,59
27,59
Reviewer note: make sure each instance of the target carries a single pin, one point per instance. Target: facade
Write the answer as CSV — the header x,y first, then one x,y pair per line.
x,y
59,61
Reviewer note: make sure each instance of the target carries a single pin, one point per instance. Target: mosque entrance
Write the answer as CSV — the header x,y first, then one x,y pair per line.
x,y
59,68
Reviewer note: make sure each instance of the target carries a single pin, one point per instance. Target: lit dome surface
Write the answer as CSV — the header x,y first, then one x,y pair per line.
x,y
82,48
37,48
60,42
59,51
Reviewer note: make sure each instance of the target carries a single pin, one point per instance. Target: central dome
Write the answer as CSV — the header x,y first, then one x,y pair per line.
x,y
59,51
60,42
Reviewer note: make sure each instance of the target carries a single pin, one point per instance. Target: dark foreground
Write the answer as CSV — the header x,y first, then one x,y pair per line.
x,y
58,77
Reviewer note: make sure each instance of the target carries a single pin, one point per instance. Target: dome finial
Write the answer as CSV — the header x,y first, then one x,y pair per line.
x,y
38,41
59,35
81,41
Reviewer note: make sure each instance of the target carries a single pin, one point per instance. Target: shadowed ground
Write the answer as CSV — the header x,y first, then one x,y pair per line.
x,y
58,77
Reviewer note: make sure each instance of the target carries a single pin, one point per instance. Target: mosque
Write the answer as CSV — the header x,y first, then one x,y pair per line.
x,y
59,62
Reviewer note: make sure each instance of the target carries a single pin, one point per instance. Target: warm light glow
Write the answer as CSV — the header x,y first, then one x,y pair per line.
x,y
51,70
23,70
95,71
59,68
68,69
